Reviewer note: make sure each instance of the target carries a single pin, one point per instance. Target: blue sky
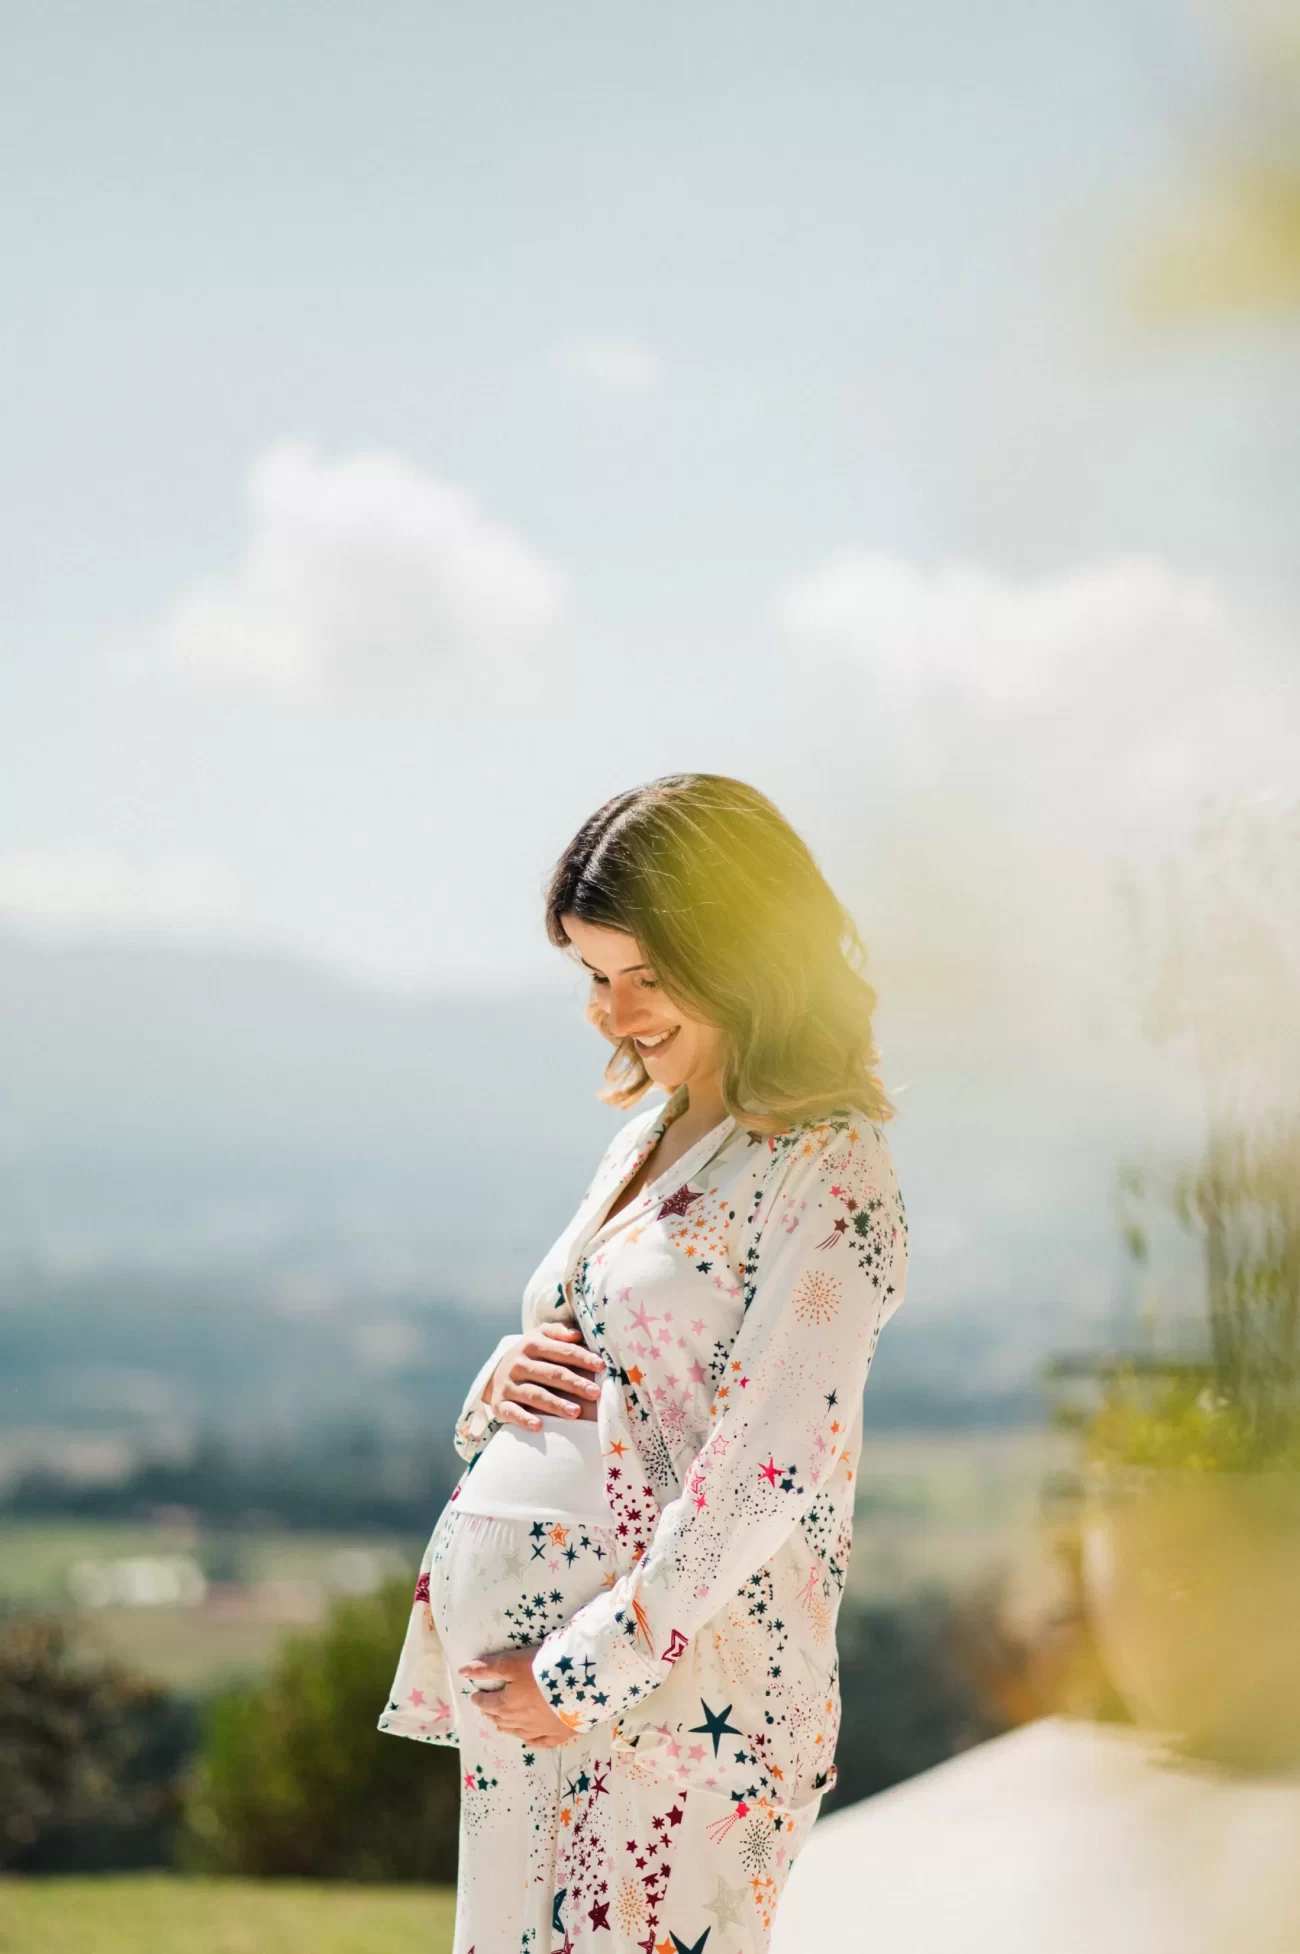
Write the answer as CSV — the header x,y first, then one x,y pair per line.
x,y
626,389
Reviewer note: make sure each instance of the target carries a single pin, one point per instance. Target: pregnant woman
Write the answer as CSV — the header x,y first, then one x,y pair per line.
x,y
625,1617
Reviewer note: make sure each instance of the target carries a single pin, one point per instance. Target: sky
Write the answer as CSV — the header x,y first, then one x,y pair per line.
x,y
421,423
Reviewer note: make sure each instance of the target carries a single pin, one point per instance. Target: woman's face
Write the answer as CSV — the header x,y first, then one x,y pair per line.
x,y
675,1049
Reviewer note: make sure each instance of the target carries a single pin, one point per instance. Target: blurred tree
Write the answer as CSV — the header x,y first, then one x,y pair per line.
x,y
295,1779
1049,1667
92,1758
909,1700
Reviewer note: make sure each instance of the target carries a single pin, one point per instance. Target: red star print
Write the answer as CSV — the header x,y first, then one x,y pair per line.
x,y
771,1471
679,1202
599,1915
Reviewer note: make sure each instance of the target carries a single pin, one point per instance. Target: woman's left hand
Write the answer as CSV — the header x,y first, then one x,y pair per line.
x,y
520,1709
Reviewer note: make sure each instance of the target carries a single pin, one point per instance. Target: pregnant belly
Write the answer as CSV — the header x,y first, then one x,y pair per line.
x,y
556,1473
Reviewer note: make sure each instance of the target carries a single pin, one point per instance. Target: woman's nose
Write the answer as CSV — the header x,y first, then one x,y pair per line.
x,y
626,1015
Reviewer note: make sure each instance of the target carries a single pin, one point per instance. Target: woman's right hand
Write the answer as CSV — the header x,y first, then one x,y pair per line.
x,y
548,1372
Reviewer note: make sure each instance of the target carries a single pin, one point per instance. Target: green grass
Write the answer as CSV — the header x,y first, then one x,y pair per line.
x,y
168,1915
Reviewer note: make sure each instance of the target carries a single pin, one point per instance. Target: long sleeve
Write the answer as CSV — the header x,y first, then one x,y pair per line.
x,y
475,1423
824,1257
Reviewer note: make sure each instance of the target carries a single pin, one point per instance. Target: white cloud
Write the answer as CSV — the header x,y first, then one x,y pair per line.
x,y
1126,685
610,363
362,574
995,642
94,888
999,749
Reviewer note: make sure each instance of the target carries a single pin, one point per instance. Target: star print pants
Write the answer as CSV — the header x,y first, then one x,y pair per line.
x,y
580,1850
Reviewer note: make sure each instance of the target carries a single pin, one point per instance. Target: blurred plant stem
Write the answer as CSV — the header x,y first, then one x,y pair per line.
x,y
1245,1201
1216,942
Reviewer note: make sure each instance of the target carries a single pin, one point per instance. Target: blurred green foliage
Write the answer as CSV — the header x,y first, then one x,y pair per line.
x,y
909,1698
288,1777
1244,1201
92,1757
1217,948
1180,1425
295,1780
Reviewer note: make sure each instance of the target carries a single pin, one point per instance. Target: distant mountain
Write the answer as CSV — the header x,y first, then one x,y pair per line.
x,y
180,1107
235,1188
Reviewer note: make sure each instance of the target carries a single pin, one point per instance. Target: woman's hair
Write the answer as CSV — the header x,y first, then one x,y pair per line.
x,y
742,931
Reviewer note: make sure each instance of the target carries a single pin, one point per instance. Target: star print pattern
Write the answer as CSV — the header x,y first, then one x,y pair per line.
x,y
690,1647
704,1233
802,1348
817,1297
715,1723
680,1202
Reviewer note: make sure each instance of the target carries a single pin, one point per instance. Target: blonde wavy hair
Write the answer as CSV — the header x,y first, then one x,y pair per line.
x,y
742,931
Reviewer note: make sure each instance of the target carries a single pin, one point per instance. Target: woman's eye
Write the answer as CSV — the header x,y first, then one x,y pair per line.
x,y
649,984
598,980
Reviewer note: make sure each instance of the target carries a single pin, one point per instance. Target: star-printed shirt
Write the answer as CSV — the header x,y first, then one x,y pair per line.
x,y
737,1301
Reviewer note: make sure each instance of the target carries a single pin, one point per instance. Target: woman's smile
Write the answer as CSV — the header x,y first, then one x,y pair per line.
x,y
655,1042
